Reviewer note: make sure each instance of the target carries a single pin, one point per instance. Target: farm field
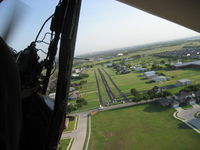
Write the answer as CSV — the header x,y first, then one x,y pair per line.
x,y
135,80
144,127
89,92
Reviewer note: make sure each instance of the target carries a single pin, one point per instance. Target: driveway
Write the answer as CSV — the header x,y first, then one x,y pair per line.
x,y
188,115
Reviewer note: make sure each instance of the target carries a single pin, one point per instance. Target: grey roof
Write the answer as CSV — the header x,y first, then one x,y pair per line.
x,y
188,63
183,80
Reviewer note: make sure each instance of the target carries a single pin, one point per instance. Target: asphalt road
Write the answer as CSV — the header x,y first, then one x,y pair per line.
x,y
79,134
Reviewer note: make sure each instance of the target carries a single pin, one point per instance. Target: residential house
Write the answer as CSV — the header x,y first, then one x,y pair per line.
x,y
159,79
72,89
150,74
140,69
74,95
183,82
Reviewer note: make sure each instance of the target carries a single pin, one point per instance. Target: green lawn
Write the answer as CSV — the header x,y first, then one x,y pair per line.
x,y
64,144
89,92
127,81
132,80
187,107
71,125
144,127
135,80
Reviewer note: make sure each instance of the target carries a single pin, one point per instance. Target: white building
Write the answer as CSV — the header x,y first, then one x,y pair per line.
x,y
77,70
159,79
183,82
108,65
120,54
150,74
72,89
75,75
140,69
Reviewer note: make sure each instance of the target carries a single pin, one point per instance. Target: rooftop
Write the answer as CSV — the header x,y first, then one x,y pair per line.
x,y
188,63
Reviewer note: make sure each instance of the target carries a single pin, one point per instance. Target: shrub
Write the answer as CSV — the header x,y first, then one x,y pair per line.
x,y
71,107
160,74
80,102
134,92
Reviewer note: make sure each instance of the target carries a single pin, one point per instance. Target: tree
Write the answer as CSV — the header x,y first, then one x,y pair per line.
x,y
134,92
70,108
166,93
155,67
145,96
162,62
168,66
151,94
190,88
80,102
160,74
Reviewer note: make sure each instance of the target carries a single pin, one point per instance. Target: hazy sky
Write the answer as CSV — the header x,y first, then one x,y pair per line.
x,y
104,24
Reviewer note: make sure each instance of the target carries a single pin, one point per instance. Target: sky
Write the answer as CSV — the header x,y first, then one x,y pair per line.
x,y
103,25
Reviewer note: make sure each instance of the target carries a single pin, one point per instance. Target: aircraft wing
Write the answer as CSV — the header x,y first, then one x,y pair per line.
x,y
183,12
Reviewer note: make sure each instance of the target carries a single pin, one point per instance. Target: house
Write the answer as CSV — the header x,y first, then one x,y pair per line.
x,y
99,59
124,71
109,65
187,64
159,79
74,95
72,89
183,82
150,74
77,71
140,69
157,89
75,75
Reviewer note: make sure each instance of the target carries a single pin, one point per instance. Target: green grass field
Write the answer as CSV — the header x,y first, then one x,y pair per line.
x,y
71,125
135,80
144,127
132,80
64,144
89,91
